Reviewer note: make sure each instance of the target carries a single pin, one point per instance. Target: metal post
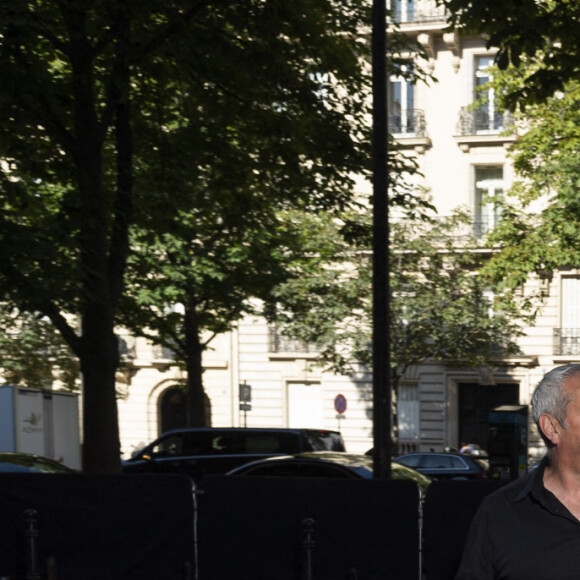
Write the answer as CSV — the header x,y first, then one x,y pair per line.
x,y
307,547
381,287
31,519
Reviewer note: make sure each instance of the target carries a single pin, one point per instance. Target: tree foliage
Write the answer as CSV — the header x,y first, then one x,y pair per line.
x,y
541,33
119,115
441,308
230,240
33,354
540,228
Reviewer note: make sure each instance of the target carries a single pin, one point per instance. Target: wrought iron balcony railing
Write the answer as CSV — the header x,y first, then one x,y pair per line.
x,y
481,121
408,123
483,225
417,11
277,343
566,341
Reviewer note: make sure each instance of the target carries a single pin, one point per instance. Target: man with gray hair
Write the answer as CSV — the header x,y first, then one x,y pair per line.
x,y
530,529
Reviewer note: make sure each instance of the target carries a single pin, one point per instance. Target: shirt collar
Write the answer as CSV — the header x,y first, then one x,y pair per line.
x,y
534,483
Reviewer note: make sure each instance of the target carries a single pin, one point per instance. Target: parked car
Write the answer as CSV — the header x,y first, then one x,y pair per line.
x,y
447,465
326,464
198,452
27,463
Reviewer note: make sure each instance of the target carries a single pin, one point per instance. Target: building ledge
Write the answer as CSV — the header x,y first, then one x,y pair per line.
x,y
292,356
521,361
466,142
166,363
420,144
563,359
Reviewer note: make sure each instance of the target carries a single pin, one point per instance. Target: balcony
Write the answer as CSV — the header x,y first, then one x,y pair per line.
x,y
482,226
482,127
566,342
416,11
410,129
278,343
482,121
418,15
410,122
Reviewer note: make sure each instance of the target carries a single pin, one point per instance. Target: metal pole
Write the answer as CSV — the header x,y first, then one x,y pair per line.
x,y
308,544
31,519
381,287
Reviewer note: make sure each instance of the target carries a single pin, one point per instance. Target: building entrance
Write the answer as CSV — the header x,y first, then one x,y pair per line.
x,y
172,409
475,403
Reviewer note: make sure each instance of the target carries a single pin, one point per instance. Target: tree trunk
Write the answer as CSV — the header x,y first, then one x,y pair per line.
x,y
196,416
103,243
99,359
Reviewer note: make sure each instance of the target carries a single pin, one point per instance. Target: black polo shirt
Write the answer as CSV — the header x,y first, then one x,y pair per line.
x,y
522,532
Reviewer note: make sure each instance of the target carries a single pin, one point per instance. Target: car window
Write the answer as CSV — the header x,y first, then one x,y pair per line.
x,y
459,463
434,462
257,442
410,460
193,443
207,442
167,446
323,441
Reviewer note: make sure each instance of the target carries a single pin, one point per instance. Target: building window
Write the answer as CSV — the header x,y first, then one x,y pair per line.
x,y
408,413
488,190
403,10
278,342
486,119
404,119
567,338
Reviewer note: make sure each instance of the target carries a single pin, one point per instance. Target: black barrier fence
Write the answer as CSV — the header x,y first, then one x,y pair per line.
x,y
92,527
308,529
147,527
448,510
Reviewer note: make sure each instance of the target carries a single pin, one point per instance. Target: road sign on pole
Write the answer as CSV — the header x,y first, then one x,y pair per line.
x,y
245,399
245,393
340,404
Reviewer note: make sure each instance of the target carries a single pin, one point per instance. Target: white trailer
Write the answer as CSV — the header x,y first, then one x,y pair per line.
x,y
41,422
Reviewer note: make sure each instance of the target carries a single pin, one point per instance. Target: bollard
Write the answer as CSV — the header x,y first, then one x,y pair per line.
x,y
307,547
31,519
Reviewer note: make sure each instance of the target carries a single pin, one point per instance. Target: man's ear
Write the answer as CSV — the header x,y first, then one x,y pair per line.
x,y
550,427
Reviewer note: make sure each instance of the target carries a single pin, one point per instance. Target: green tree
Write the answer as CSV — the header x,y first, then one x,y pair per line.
x,y
441,308
119,116
540,225
541,33
188,286
33,354
225,246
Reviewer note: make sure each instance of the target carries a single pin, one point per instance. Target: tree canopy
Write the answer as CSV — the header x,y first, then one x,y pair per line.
x,y
539,229
33,354
543,33
123,121
441,308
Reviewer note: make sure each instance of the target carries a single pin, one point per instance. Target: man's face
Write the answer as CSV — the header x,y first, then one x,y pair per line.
x,y
568,448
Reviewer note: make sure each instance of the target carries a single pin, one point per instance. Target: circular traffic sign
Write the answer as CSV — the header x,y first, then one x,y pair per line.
x,y
340,404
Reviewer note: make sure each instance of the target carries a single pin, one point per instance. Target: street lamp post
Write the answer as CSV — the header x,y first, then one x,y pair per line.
x,y
381,288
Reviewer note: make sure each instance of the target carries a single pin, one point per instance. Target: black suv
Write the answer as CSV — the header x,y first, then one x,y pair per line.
x,y
198,452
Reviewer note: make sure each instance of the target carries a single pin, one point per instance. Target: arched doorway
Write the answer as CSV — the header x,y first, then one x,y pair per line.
x,y
172,409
